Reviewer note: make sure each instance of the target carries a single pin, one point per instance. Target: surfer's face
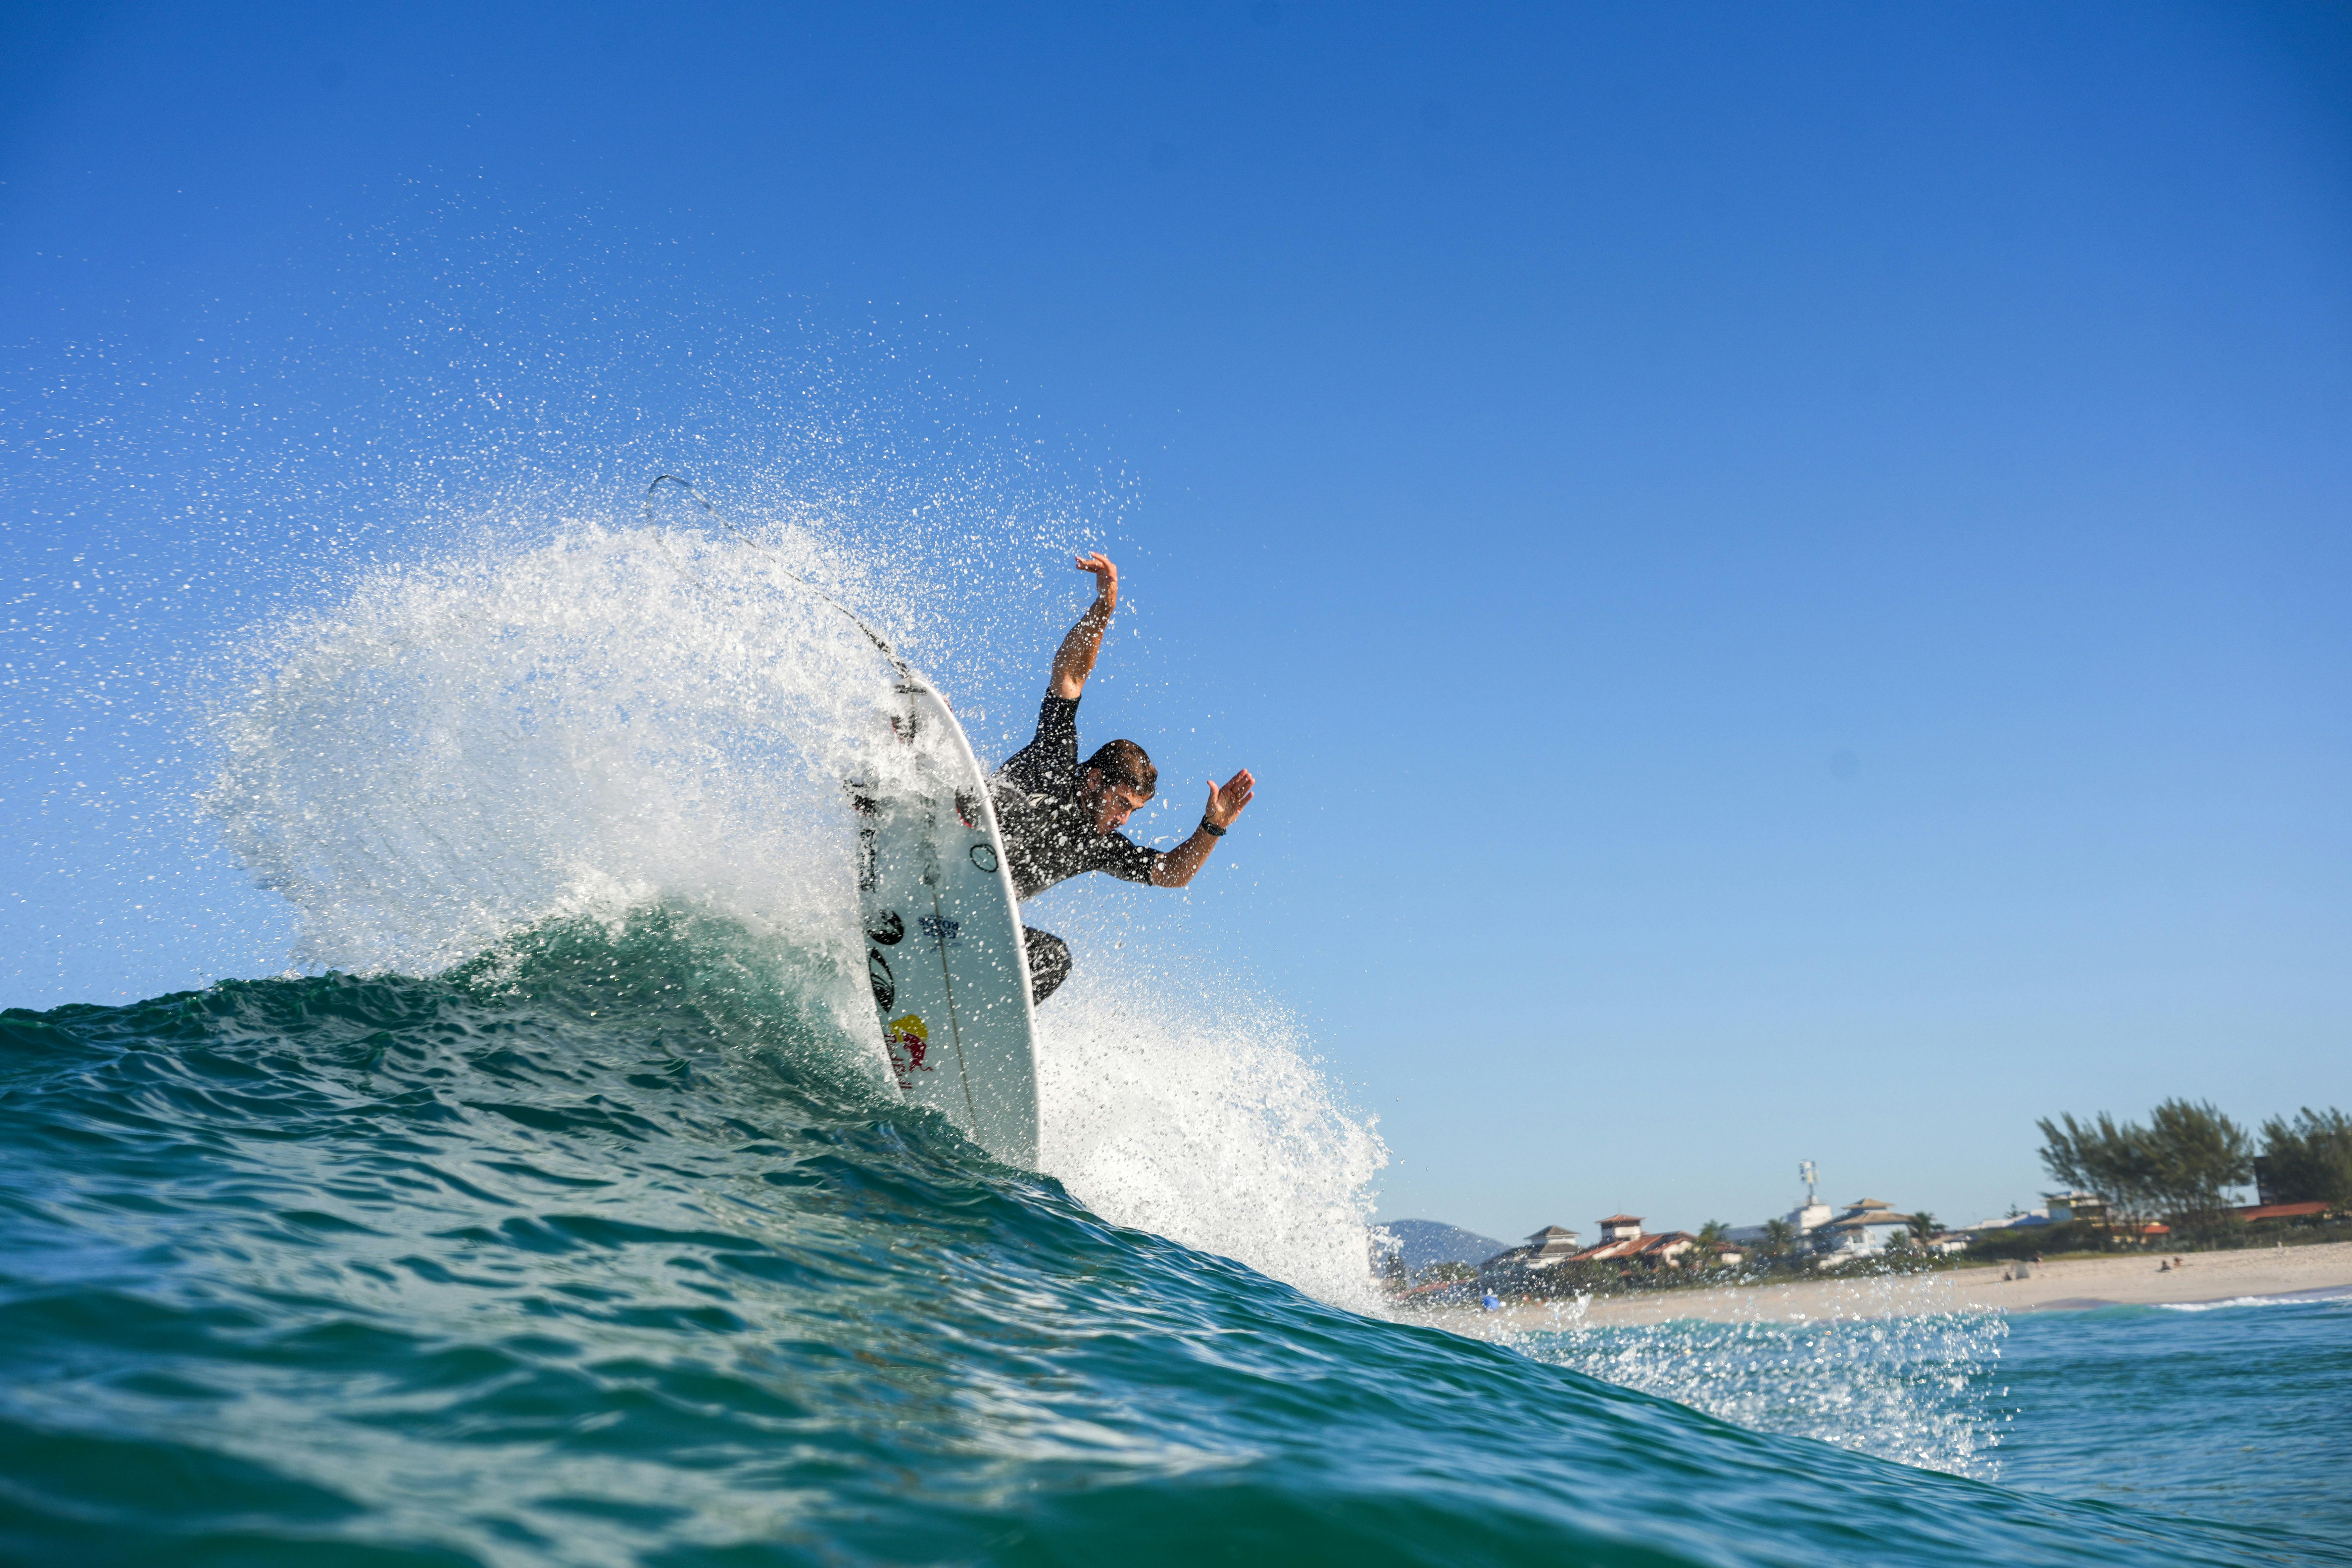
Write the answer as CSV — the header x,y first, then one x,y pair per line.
x,y
1111,804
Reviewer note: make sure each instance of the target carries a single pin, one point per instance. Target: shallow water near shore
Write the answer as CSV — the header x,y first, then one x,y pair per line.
x,y
2238,1410
2233,1410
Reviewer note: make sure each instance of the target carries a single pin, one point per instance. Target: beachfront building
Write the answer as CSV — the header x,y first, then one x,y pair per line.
x,y
1553,1244
2065,1207
1530,1270
1676,1248
1866,1226
2316,1210
1803,1220
1810,1218
2058,1208
1622,1240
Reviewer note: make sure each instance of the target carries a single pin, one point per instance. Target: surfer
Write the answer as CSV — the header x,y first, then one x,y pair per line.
x,y
1060,817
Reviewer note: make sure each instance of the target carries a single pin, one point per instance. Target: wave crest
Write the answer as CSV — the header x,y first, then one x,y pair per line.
x,y
485,764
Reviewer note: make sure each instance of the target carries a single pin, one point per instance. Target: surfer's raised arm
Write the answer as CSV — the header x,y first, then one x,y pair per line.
x,y
1176,868
1058,816
1074,659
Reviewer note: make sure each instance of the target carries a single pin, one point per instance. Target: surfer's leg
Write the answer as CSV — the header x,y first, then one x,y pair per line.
x,y
1049,962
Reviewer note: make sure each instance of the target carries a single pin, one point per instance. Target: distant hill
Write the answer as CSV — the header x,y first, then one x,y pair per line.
x,y
1427,1242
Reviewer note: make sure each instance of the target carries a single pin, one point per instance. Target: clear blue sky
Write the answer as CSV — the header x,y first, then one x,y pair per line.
x,y
1784,570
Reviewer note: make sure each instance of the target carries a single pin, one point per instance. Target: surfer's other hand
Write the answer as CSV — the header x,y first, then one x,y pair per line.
x,y
1226,803
1106,577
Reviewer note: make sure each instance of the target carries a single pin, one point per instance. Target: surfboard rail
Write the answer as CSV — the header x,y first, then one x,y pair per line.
x,y
944,952
947,837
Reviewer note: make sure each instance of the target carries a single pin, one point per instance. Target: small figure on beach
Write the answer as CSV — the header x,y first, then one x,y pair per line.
x,y
2163,1266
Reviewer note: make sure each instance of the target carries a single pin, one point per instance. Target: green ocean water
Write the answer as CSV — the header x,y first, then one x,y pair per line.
x,y
603,1248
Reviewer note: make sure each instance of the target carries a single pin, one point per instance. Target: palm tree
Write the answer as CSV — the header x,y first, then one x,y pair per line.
x,y
1924,1225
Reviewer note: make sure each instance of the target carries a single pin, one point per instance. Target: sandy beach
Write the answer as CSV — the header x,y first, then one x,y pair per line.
x,y
2074,1284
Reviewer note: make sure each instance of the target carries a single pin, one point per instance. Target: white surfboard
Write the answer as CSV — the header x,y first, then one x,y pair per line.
x,y
944,933
942,930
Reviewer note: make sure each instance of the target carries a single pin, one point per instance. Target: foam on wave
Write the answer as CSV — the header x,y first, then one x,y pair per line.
x,y
624,716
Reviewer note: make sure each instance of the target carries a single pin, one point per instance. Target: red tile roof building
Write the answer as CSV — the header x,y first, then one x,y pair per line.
x,y
1623,1240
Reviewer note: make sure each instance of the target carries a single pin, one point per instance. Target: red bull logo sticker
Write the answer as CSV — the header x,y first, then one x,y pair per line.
x,y
910,1041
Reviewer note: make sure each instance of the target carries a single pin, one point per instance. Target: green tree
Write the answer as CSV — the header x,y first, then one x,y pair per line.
x,y
2197,1155
2308,1160
1924,1225
2180,1165
1780,1238
2106,1157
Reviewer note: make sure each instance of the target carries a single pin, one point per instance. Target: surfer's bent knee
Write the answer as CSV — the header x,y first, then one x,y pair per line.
x,y
1049,962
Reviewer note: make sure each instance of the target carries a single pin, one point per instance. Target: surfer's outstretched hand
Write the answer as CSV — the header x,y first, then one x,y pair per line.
x,y
1226,803
1181,865
1106,578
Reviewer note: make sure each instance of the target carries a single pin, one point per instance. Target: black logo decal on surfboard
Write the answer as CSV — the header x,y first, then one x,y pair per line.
x,y
887,929
878,970
944,933
870,876
968,809
983,857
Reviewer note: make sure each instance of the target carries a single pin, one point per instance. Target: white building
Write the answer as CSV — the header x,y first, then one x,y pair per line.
x,y
1552,1244
1866,1226
1804,1219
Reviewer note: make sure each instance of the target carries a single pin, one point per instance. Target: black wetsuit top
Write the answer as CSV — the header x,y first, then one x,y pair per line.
x,y
1049,835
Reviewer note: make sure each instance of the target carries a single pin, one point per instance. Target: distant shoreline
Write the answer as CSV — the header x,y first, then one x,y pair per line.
x,y
2072,1283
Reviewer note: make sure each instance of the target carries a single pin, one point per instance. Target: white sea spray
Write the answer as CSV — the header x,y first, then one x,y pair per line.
x,y
1893,1368
620,716
1208,1121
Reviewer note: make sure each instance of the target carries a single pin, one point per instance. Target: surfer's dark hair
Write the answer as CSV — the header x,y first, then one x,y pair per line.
x,y
1123,763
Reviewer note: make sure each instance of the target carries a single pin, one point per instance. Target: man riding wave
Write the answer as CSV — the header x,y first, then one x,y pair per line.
x,y
1059,818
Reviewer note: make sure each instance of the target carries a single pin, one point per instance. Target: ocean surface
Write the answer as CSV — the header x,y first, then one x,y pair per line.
x,y
554,1208
2238,1410
599,1250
